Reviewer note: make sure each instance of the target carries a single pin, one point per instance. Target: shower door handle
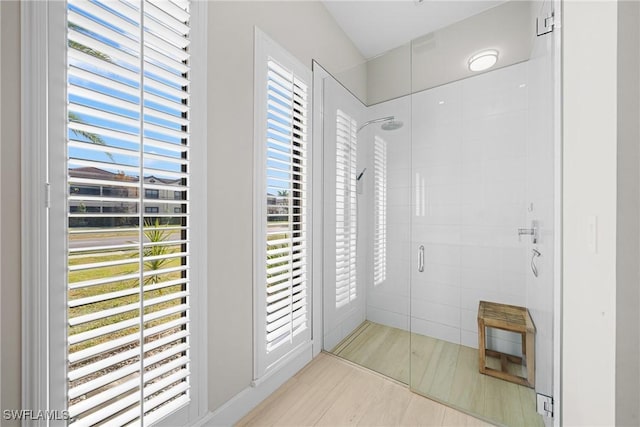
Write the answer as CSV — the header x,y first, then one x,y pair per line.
x,y
421,258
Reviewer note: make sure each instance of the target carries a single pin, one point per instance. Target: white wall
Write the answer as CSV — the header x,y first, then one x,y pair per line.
x,y
440,57
312,35
355,79
628,225
340,322
389,75
589,191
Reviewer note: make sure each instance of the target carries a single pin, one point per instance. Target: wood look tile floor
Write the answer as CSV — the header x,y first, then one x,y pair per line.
x,y
330,391
443,371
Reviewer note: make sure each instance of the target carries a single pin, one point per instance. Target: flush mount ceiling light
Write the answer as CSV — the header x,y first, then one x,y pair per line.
x,y
483,60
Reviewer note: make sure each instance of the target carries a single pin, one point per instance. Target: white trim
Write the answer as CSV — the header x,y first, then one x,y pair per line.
x,y
199,201
43,124
264,49
57,171
259,251
283,363
1,287
198,372
319,75
242,403
557,274
34,48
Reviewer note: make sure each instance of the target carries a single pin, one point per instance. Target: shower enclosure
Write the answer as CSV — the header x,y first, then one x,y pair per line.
x,y
438,193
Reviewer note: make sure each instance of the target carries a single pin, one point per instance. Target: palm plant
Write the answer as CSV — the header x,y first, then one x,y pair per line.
x,y
83,48
283,194
92,137
73,117
155,234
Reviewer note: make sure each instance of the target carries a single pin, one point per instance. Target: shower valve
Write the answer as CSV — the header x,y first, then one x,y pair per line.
x,y
533,232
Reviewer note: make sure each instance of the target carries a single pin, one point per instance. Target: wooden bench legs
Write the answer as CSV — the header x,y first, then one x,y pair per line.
x,y
489,316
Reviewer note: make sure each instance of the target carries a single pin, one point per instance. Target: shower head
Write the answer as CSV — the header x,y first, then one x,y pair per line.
x,y
389,123
392,125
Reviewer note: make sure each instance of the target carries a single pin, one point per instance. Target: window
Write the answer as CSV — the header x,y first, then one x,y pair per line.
x,y
114,93
282,219
93,191
346,209
129,280
380,207
151,194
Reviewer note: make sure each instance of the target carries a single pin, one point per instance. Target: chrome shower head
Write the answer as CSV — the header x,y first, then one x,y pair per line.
x,y
392,125
388,123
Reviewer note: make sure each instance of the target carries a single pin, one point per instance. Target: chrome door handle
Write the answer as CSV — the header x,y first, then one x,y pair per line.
x,y
421,258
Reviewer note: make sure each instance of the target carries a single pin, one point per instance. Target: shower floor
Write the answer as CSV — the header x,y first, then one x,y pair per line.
x,y
442,371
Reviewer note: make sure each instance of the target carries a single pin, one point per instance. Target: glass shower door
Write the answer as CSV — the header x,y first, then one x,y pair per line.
x,y
482,229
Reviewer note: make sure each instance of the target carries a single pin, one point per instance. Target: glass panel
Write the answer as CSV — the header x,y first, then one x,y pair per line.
x,y
482,169
367,169
454,182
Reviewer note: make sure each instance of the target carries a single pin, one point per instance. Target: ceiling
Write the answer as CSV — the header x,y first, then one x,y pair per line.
x,y
377,26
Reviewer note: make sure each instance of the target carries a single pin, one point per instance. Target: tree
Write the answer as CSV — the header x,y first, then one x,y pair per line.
x,y
281,195
73,117
83,48
92,137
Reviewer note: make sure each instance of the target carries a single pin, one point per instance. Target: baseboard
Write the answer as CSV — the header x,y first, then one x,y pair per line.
x,y
242,403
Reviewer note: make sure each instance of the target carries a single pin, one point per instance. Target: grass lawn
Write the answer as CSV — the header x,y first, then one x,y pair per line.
x,y
113,232
133,284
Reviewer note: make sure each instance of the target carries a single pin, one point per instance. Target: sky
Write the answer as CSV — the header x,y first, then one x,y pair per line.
x,y
116,35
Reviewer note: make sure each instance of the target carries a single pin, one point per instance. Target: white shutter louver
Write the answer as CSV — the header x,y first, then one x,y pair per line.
x,y
346,208
128,217
380,211
287,204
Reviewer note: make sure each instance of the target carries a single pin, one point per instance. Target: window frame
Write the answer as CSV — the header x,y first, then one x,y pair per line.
x,y
266,48
44,203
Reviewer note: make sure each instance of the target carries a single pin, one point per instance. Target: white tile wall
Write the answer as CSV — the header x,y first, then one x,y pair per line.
x,y
470,146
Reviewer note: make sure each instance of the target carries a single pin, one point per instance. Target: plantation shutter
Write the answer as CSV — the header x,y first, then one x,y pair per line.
x,y
128,210
380,208
282,205
286,217
346,209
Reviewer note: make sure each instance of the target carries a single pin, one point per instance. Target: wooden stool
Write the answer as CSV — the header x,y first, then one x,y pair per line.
x,y
509,318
